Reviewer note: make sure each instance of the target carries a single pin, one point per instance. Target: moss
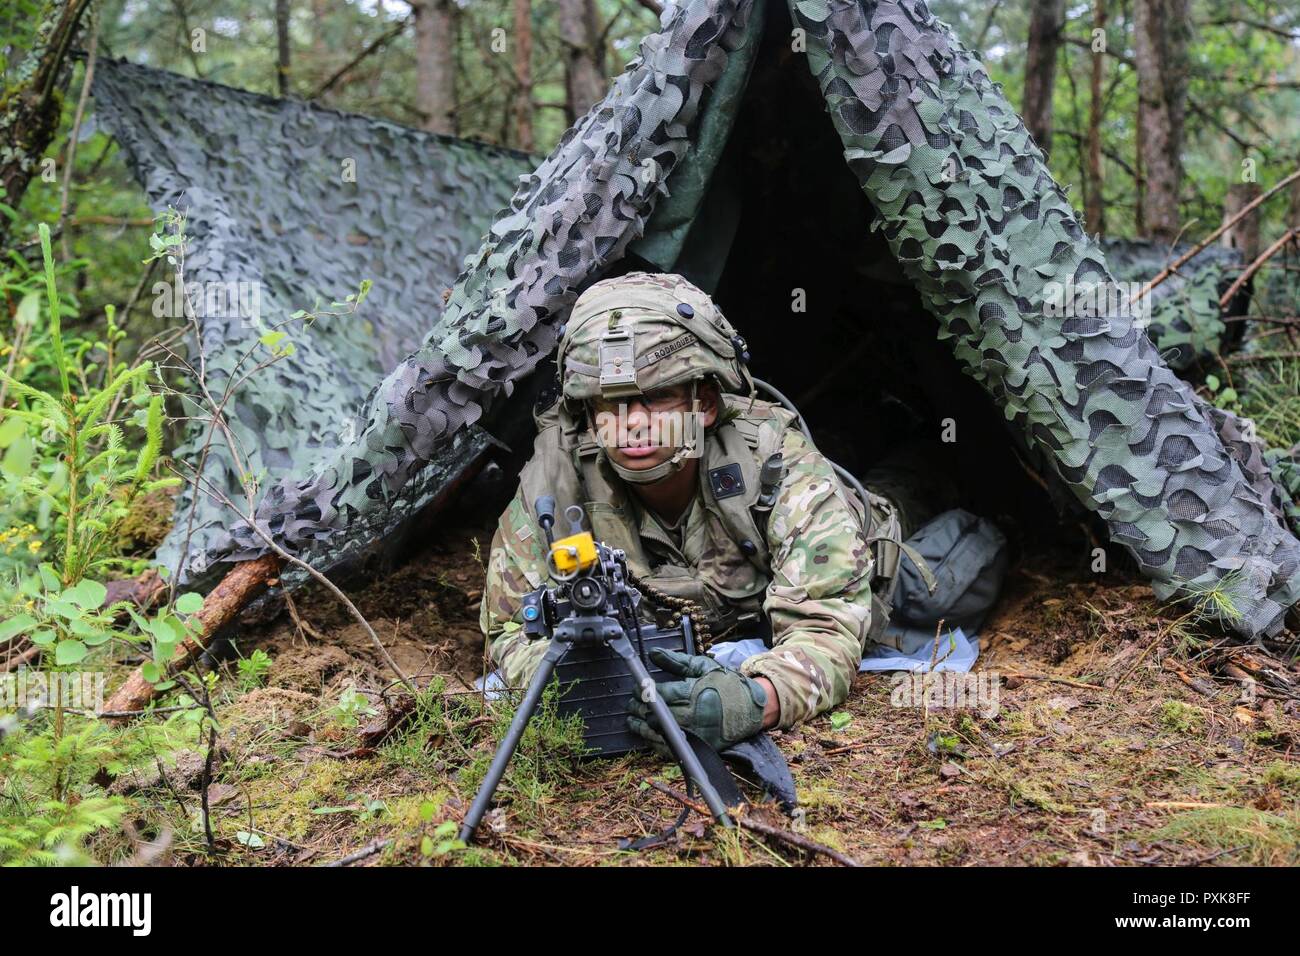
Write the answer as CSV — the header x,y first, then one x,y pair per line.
x,y
1253,836
147,521
285,801
1036,794
1285,776
1181,718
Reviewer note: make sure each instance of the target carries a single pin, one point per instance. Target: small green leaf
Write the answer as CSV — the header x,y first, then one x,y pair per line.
x,y
427,810
49,577
86,594
17,461
426,846
42,638
1212,382
150,672
250,840
16,625
938,823
841,719
96,639
10,429
69,652
189,603
28,309
64,609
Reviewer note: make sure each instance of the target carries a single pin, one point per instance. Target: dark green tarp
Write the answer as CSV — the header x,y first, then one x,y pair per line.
x,y
300,204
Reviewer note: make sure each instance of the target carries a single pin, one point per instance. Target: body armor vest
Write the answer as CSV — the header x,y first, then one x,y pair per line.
x,y
722,563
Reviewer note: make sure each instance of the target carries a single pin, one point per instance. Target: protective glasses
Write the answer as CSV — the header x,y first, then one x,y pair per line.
x,y
658,400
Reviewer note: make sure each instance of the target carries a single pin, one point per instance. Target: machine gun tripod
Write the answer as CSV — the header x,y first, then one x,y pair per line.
x,y
591,604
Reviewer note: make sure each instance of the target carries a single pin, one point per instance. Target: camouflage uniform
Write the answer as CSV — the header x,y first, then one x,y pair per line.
x,y
801,559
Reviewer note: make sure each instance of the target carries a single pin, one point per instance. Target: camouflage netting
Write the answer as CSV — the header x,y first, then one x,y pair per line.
x,y
964,198
968,206
1184,319
301,204
569,220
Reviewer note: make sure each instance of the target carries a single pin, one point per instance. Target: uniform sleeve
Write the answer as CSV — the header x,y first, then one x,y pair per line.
x,y
516,567
819,601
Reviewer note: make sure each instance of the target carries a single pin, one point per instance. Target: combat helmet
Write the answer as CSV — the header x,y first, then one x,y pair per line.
x,y
641,332
644,331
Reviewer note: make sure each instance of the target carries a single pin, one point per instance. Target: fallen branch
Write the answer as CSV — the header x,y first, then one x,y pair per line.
x,y
1201,687
365,852
1263,357
1254,267
281,554
1187,256
15,661
1055,680
757,826
243,583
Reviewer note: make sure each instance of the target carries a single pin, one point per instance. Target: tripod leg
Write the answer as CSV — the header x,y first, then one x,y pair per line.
x,y
554,654
673,733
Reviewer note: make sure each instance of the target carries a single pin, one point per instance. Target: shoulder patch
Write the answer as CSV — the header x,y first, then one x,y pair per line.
x,y
727,481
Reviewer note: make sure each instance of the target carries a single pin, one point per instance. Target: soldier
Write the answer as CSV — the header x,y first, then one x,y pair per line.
x,y
717,498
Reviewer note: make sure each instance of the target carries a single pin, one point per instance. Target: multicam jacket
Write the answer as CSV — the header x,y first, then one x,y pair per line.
x,y
806,565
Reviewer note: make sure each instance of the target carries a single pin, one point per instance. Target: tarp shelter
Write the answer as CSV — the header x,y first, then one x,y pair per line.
x,y
720,151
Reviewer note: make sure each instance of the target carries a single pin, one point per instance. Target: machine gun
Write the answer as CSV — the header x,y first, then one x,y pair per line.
x,y
591,610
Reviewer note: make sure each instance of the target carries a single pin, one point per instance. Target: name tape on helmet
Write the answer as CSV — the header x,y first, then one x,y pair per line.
x,y
676,345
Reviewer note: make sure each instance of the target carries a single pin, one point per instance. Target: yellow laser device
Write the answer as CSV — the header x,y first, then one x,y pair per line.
x,y
575,553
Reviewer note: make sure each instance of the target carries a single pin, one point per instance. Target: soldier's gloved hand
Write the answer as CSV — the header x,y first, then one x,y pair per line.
x,y
719,705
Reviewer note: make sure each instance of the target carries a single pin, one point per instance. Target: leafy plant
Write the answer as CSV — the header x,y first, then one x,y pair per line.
x,y
253,669
38,827
351,707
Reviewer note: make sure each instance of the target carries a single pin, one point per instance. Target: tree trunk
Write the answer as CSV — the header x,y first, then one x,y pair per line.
x,y
1244,236
584,65
435,75
1160,33
318,47
282,46
1094,213
523,107
1293,203
1046,19
30,114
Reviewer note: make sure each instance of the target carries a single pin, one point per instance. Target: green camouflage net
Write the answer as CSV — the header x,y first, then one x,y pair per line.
x,y
1284,466
568,222
971,213
290,205
1183,319
966,202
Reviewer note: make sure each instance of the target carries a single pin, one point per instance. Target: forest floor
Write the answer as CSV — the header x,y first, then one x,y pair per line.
x,y
1120,737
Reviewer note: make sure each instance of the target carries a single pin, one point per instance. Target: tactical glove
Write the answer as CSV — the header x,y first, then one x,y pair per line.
x,y
719,705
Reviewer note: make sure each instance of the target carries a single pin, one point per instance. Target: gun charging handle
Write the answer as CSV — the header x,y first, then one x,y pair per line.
x,y
545,508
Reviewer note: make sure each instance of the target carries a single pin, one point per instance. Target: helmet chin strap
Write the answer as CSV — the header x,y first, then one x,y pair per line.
x,y
647,476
